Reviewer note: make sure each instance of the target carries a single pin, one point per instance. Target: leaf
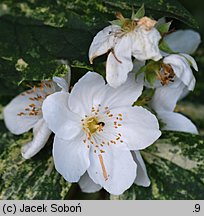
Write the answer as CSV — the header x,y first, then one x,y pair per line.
x,y
116,22
164,27
151,69
145,98
165,47
155,8
151,77
39,46
175,165
56,13
140,13
28,179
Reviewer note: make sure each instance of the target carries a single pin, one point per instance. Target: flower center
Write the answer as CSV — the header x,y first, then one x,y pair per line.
x,y
102,129
127,25
166,75
93,125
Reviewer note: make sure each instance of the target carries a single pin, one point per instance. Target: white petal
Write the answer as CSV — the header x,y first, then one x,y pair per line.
x,y
186,41
124,95
140,127
20,124
184,93
166,97
87,185
103,42
64,123
61,83
119,64
182,69
18,114
119,167
84,92
142,178
177,122
145,44
191,60
41,134
71,158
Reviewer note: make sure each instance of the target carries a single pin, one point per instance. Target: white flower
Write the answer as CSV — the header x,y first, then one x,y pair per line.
x,y
24,112
95,128
137,38
176,68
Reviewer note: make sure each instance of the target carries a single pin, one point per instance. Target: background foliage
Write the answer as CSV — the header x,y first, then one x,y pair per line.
x,y
34,36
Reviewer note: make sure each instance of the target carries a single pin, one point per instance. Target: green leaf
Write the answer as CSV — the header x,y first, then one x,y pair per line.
x,y
116,22
155,8
151,77
146,96
28,179
56,13
165,47
29,49
140,13
151,70
164,27
175,165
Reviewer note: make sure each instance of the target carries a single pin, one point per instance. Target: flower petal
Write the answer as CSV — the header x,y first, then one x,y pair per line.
x,y
71,158
142,178
41,134
87,185
61,83
145,44
177,122
119,63
191,60
103,42
182,69
16,122
140,127
166,97
23,112
64,123
124,95
118,165
186,41
84,92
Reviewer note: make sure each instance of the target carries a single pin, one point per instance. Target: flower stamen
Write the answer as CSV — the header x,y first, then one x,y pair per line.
x,y
166,75
103,167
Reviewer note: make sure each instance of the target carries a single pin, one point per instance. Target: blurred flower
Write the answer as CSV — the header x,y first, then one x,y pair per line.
x,y
25,112
95,128
137,38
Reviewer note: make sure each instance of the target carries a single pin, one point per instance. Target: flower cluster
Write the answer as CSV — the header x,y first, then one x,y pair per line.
x,y
99,127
